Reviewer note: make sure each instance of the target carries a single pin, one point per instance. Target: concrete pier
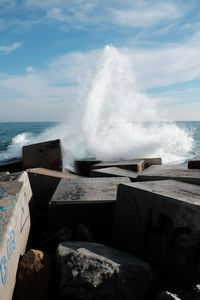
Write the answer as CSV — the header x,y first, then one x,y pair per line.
x,y
14,232
88,201
44,155
179,174
159,220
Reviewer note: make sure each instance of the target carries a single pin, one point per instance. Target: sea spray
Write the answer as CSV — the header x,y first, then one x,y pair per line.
x,y
114,120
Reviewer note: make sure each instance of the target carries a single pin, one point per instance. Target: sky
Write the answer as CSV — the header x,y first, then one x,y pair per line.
x,y
48,48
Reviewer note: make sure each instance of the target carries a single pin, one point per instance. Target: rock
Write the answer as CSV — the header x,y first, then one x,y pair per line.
x,y
33,277
95,271
167,296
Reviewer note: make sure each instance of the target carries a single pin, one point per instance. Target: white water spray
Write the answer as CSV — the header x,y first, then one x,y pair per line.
x,y
118,121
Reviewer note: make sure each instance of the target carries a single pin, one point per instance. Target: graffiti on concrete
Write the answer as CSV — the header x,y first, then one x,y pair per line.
x,y
4,261
3,270
3,193
11,244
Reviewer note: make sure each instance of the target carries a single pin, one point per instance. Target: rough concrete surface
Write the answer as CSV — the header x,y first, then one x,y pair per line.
x,y
14,232
44,155
180,174
159,220
95,271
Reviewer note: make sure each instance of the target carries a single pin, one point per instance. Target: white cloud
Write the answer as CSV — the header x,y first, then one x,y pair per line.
x,y
29,69
8,49
68,78
144,14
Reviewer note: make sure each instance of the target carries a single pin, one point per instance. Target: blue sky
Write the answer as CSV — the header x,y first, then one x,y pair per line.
x,y
47,48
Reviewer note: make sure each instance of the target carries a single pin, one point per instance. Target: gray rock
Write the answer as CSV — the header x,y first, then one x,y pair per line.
x,y
94,271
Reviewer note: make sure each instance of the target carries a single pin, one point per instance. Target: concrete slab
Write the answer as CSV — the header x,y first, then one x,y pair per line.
x,y
151,161
14,232
133,165
180,174
194,163
46,155
11,165
159,221
114,172
83,166
88,201
44,183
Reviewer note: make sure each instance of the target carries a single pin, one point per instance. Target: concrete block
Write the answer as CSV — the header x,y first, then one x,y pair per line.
x,y
19,177
133,165
151,161
159,221
83,166
194,163
11,165
180,174
114,172
45,155
44,183
88,201
14,232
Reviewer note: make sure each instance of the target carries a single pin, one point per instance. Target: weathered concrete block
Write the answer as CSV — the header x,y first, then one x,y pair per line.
x,y
159,220
194,163
19,177
45,155
14,231
133,165
11,165
180,174
95,271
44,183
88,201
151,161
83,166
114,172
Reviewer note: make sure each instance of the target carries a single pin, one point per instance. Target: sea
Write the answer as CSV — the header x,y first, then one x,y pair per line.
x,y
14,134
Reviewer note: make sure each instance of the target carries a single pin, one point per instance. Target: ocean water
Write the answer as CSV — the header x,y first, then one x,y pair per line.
x,y
110,119
14,135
